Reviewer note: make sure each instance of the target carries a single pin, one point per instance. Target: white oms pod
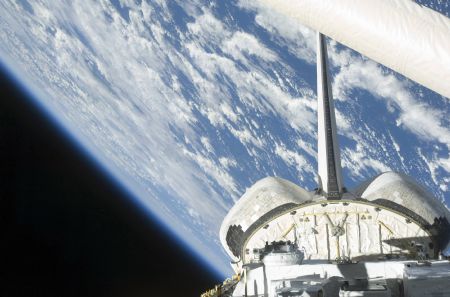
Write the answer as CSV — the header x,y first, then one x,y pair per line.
x,y
409,38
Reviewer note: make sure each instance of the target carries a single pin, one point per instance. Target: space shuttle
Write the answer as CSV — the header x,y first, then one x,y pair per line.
x,y
387,238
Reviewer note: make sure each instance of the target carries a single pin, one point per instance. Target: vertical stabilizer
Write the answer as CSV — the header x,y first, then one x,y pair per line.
x,y
329,161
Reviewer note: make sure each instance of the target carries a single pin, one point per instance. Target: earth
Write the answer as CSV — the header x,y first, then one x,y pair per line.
x,y
186,104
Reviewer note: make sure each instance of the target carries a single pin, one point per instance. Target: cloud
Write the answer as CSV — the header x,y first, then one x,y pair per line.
x,y
299,40
241,45
356,72
293,158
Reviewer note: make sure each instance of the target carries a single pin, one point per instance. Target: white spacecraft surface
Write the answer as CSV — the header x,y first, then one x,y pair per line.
x,y
388,237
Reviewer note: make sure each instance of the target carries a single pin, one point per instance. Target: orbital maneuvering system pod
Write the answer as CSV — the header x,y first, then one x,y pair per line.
x,y
388,237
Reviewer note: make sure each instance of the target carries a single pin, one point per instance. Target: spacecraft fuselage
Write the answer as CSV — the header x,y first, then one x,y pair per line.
x,y
388,237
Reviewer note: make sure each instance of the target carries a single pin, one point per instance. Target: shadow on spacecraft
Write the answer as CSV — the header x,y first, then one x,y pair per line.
x,y
388,237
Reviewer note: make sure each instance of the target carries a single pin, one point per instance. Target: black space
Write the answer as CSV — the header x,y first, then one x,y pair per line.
x,y
67,230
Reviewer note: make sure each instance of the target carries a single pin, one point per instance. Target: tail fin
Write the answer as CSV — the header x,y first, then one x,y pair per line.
x,y
329,160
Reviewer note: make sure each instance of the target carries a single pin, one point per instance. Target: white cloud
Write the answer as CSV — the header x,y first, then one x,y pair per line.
x,y
242,44
293,158
299,39
359,164
418,117
207,144
227,162
218,174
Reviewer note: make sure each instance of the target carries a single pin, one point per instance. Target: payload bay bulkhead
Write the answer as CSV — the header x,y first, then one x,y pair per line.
x,y
388,237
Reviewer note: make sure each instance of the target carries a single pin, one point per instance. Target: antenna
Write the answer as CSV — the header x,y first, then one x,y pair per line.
x,y
329,160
